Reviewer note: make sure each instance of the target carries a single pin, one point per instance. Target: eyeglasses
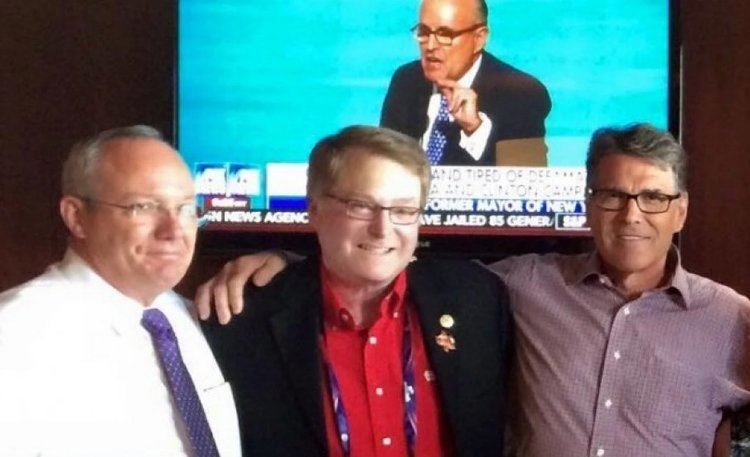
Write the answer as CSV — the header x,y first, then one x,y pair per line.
x,y
366,211
443,35
649,202
150,210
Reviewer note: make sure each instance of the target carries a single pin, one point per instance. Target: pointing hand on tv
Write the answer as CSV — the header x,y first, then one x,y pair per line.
x,y
462,104
225,289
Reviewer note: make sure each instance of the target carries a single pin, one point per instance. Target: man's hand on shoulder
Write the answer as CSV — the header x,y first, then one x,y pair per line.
x,y
225,289
462,104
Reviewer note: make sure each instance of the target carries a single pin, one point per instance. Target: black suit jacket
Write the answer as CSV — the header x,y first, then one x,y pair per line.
x,y
270,356
516,102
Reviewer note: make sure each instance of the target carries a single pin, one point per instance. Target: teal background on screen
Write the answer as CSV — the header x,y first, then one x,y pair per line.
x,y
263,81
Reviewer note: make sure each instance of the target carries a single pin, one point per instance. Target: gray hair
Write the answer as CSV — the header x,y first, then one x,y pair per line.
x,y
637,140
80,167
330,155
481,11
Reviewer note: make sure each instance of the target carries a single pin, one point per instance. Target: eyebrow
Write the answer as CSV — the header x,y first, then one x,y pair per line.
x,y
652,190
134,195
402,201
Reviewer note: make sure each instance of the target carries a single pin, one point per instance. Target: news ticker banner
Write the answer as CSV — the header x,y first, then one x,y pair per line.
x,y
467,197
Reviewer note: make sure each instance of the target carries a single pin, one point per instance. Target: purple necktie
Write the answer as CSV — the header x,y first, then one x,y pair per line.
x,y
437,141
180,383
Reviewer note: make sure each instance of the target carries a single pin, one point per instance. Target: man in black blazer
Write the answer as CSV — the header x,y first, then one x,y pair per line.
x,y
365,188
496,112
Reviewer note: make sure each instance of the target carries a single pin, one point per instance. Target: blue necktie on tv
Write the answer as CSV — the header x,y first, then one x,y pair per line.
x,y
437,141
180,383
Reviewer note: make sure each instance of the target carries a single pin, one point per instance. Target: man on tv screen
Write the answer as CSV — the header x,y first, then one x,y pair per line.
x,y
619,351
466,106
363,350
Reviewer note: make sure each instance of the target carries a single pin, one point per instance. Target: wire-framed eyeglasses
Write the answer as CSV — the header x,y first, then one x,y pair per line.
x,y
367,211
150,210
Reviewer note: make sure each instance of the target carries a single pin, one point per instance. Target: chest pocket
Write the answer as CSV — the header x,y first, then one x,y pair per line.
x,y
673,400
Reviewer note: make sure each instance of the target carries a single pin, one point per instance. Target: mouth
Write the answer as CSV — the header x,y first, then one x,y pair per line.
x,y
374,249
167,254
431,60
631,237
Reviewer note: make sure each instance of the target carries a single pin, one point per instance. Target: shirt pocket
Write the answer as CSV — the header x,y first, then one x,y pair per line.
x,y
677,398
218,403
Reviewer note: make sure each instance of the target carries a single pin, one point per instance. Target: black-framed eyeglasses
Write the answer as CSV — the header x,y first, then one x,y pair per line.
x,y
443,35
366,211
650,202
149,210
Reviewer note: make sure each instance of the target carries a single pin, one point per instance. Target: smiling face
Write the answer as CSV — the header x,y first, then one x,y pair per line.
x,y
450,62
360,253
631,243
140,255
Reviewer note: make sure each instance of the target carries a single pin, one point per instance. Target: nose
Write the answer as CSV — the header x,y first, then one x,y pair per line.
x,y
431,42
631,213
169,224
380,224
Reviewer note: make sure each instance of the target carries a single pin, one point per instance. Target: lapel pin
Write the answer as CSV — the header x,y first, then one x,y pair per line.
x,y
447,321
446,341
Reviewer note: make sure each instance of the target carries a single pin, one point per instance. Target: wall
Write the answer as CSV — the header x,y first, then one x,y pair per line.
x,y
68,69
715,127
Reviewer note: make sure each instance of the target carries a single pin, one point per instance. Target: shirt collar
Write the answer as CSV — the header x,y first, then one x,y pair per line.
x,y
591,267
125,313
335,313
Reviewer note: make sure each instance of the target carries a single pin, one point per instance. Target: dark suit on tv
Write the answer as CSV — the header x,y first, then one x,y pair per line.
x,y
270,356
516,102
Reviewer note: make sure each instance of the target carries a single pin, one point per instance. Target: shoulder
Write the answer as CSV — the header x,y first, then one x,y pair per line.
x,y
298,280
449,269
286,293
528,266
50,319
409,73
409,69
41,297
705,291
501,75
452,276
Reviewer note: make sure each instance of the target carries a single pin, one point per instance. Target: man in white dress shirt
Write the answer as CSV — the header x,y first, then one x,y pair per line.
x,y
79,373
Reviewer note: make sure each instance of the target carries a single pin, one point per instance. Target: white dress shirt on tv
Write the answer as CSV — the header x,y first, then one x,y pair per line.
x,y
473,144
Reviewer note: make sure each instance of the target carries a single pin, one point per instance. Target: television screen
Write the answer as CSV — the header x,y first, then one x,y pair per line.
x,y
260,82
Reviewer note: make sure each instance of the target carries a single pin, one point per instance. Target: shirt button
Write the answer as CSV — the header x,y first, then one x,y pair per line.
x,y
608,403
617,355
395,314
373,340
379,391
626,311
386,441
600,452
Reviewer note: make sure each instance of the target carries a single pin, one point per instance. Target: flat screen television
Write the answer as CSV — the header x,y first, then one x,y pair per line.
x,y
258,83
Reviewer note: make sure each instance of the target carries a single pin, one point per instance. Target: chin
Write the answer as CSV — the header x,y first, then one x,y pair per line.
x,y
379,276
432,75
169,276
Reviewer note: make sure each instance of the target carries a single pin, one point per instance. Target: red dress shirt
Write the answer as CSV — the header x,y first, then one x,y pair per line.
x,y
367,364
